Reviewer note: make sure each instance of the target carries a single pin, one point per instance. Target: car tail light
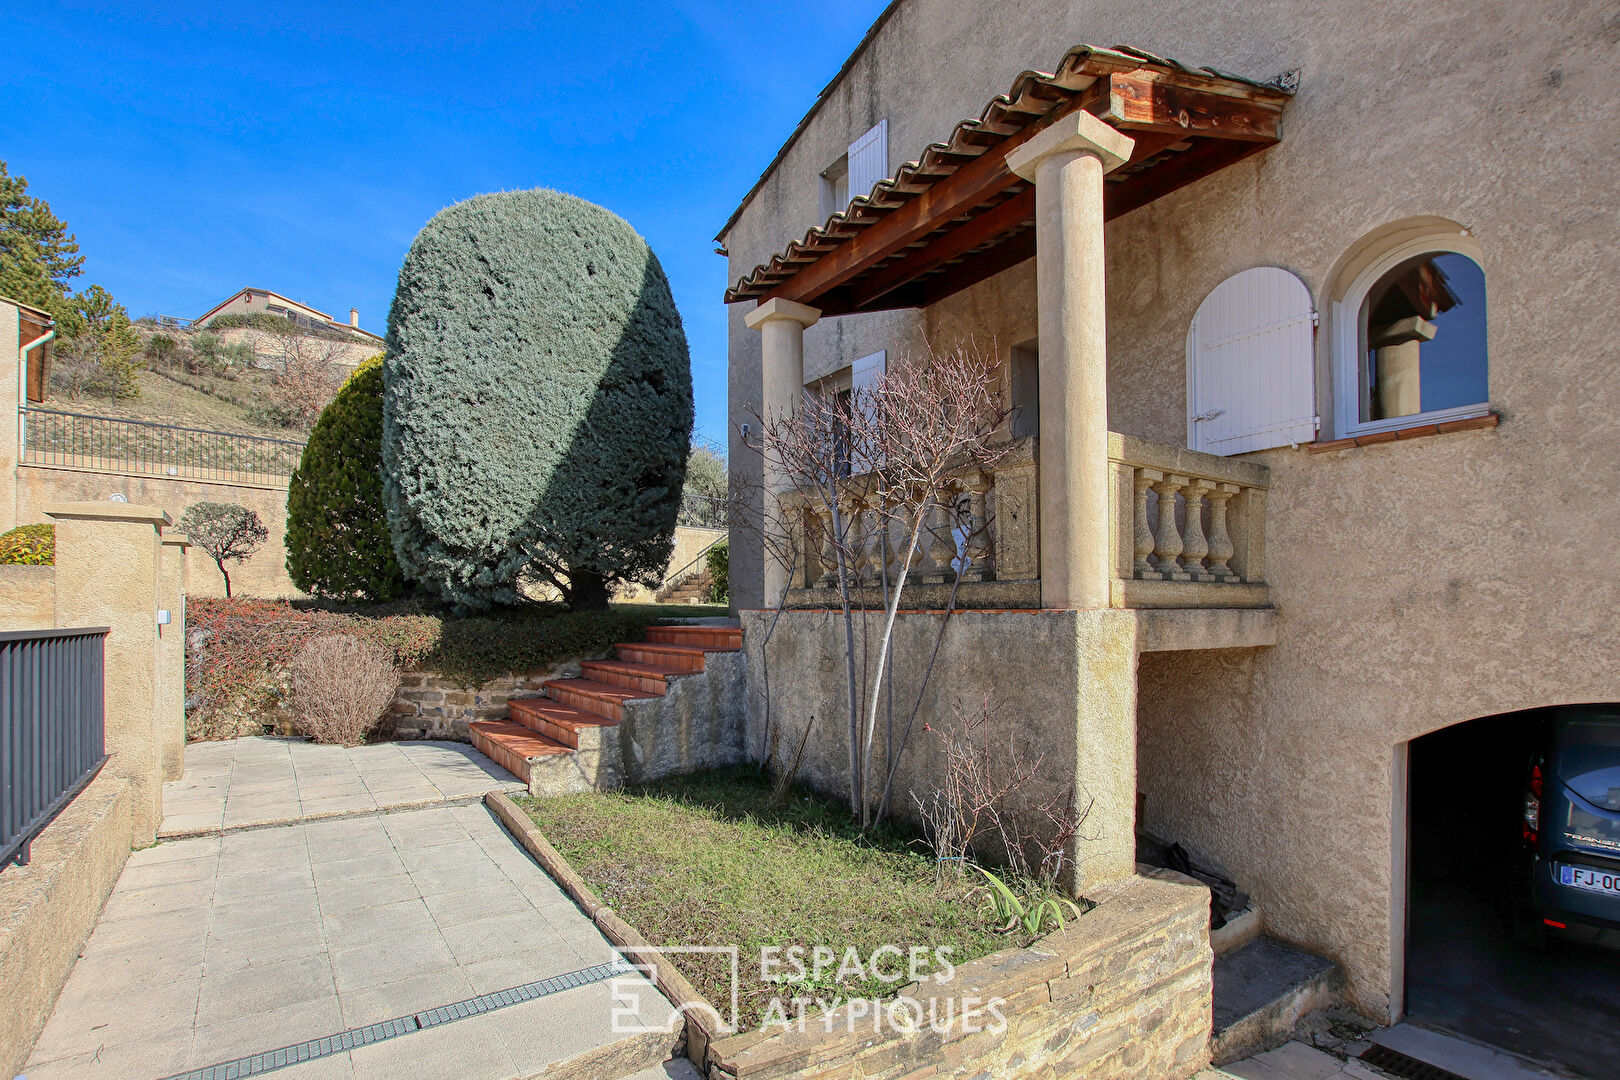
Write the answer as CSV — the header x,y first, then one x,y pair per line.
x,y
1530,832
1555,924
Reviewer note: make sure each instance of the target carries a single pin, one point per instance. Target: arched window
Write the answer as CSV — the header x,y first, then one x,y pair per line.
x,y
1409,342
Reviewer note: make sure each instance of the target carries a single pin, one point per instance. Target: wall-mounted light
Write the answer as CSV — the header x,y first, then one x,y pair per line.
x,y
164,617
117,496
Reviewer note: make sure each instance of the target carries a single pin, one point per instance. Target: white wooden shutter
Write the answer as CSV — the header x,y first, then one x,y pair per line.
x,y
868,160
1251,364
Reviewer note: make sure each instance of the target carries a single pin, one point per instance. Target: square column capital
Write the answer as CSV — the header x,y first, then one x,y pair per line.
x,y
1080,133
776,309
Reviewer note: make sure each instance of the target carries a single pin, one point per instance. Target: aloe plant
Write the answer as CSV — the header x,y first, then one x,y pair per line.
x,y
1012,911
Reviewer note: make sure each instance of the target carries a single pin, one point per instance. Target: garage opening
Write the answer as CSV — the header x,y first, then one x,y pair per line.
x,y
1488,957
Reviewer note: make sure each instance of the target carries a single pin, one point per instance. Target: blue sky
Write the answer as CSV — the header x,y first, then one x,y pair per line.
x,y
196,149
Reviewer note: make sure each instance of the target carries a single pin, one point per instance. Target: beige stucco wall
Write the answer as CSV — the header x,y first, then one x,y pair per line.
x,y
27,597
1419,583
689,543
264,574
49,906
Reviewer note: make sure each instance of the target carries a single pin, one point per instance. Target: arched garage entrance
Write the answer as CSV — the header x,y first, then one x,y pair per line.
x,y
1471,969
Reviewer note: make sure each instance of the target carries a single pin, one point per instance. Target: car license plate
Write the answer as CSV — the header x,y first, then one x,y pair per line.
x,y
1584,877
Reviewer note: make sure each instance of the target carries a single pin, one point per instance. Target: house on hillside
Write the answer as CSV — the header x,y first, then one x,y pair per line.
x,y
1312,335
352,343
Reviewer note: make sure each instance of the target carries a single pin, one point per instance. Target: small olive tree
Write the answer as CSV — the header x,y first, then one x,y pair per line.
x,y
228,532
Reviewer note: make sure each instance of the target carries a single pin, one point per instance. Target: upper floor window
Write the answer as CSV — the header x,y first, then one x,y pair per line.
x,y
854,173
1411,340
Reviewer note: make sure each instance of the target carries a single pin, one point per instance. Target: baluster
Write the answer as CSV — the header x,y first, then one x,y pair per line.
x,y
1166,539
829,549
1144,480
975,560
1220,541
939,539
1193,545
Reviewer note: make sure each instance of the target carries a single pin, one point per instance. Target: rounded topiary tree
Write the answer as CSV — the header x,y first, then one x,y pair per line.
x,y
537,402
338,543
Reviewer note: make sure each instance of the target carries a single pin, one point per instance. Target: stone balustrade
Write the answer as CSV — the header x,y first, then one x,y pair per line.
x,y
981,536
1187,530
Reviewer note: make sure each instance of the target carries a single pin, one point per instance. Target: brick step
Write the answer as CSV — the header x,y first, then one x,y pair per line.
x,y
630,674
511,745
554,720
716,638
603,699
683,657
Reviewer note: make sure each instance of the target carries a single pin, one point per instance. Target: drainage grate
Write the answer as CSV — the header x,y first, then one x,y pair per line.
x,y
256,1064
1408,1068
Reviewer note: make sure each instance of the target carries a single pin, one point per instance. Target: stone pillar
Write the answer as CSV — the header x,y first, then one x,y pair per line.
x,y
107,558
1066,162
781,325
171,715
1105,747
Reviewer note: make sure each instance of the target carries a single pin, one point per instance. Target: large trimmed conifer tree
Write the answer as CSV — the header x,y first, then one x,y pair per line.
x,y
537,403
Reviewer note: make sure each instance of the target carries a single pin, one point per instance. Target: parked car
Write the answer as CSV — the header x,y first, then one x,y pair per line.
x,y
1571,830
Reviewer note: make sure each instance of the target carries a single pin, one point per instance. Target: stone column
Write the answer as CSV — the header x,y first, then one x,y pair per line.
x,y
781,325
1066,162
107,558
171,716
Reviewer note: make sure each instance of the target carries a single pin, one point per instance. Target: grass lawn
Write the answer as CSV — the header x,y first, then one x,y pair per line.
x,y
706,860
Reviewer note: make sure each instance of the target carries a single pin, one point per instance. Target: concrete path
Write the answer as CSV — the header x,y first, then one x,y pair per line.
x,y
1295,1061
214,948
242,783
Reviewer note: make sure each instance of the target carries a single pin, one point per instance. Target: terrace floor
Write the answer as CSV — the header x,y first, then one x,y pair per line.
x,y
242,783
214,948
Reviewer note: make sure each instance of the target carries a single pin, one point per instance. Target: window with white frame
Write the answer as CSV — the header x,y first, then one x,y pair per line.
x,y
853,174
1410,339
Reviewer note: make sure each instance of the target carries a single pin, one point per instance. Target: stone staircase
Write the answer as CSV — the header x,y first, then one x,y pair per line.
x,y
669,704
690,590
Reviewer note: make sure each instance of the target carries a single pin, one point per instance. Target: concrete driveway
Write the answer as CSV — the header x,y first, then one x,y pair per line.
x,y
218,947
240,783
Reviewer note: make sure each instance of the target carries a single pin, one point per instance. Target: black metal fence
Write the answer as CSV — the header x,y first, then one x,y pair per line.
x,y
52,735
701,512
108,444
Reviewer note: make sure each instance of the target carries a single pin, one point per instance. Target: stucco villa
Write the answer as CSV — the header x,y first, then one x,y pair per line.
x,y
1312,333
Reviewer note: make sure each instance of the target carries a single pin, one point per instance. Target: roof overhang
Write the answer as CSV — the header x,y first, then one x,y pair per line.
x,y
959,214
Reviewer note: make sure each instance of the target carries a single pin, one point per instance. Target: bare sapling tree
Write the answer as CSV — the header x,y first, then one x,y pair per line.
x,y
856,482
807,456
933,417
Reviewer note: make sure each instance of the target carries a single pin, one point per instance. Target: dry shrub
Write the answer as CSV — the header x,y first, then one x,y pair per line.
x,y
992,798
341,687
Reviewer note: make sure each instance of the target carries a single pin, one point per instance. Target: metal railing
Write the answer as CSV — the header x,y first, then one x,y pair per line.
x,y
701,512
108,444
52,737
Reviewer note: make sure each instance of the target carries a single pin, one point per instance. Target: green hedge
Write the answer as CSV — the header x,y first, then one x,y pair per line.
x,y
537,403
338,544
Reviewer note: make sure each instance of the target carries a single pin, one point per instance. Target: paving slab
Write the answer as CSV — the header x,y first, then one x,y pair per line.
x,y
220,947
251,783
